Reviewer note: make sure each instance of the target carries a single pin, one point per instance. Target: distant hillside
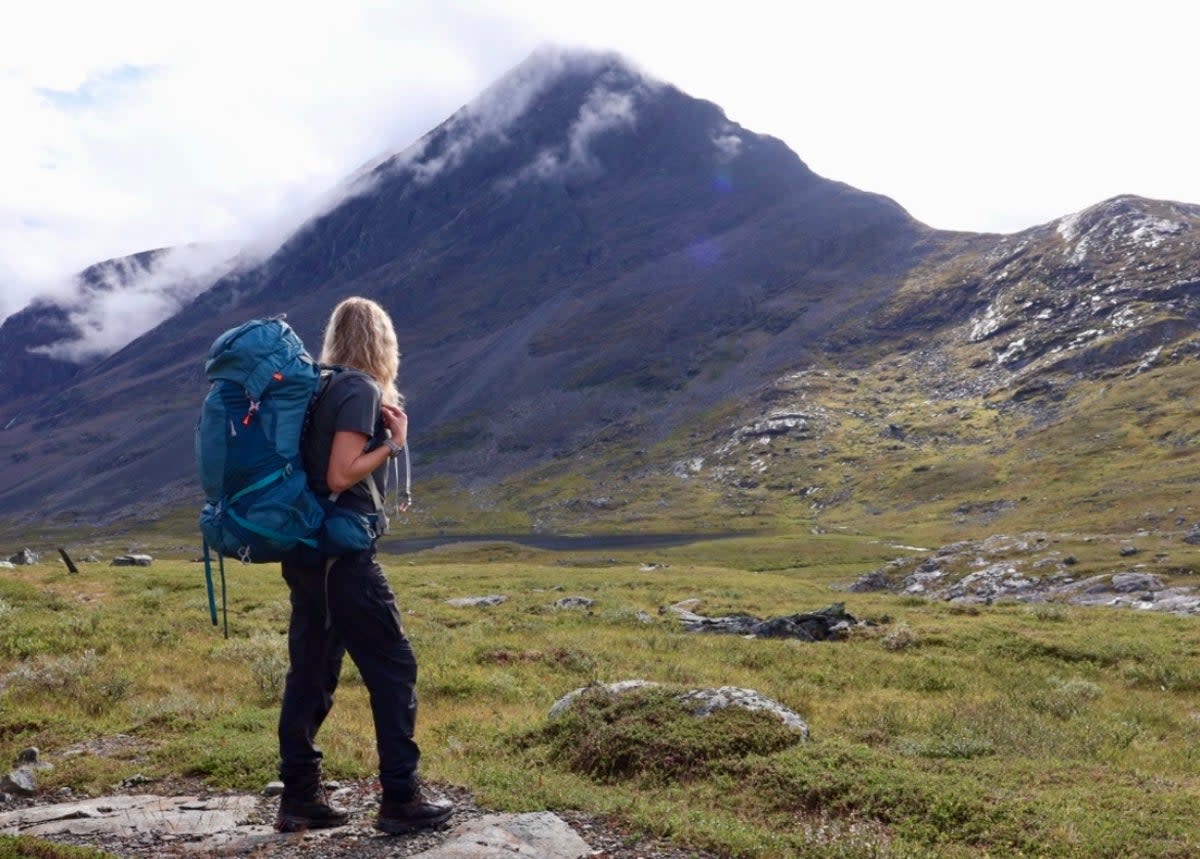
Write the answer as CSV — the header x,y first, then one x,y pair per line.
x,y
621,310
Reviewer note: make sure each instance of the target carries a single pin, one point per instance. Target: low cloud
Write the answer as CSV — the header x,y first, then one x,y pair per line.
x,y
131,295
729,145
488,119
610,105
603,111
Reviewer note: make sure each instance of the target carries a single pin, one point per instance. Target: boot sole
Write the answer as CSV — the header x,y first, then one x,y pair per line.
x,y
290,823
396,827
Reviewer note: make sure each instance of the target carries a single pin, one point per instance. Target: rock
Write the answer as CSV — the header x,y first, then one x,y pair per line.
x,y
491,599
574,602
25,556
1070,560
704,702
131,561
1192,537
1127,551
700,702
643,617
131,818
21,781
875,580
564,703
7,565
504,836
136,780
822,625
1124,583
28,756
273,788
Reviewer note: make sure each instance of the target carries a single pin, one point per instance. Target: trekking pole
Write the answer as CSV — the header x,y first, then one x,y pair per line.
x,y
224,605
208,584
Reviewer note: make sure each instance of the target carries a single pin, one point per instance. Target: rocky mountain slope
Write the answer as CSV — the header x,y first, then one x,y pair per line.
x,y
619,309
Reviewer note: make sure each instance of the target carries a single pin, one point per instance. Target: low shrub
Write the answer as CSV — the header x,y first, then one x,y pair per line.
x,y
649,735
26,847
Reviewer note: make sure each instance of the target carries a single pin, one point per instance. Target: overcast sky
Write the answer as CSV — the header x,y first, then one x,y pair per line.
x,y
131,125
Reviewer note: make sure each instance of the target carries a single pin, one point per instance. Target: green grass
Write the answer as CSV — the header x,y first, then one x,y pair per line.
x,y
940,731
23,847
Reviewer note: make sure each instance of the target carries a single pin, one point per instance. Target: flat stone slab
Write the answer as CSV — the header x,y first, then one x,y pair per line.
x,y
540,834
132,815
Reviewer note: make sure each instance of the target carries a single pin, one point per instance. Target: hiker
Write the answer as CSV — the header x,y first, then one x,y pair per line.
x,y
344,603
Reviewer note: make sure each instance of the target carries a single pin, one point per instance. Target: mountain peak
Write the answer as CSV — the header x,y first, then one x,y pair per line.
x,y
1120,225
598,90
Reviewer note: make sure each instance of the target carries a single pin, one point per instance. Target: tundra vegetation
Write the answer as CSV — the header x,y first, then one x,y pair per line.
x,y
940,730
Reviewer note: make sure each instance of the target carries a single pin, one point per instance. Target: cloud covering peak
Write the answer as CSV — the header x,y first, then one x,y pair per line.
x,y
116,301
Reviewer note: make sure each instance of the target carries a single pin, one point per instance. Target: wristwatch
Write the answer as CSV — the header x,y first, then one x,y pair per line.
x,y
394,450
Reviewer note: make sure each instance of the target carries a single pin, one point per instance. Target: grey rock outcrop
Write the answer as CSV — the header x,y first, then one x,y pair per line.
x,y
700,702
831,622
25,556
132,561
704,702
619,688
490,599
128,816
1023,568
504,836
574,602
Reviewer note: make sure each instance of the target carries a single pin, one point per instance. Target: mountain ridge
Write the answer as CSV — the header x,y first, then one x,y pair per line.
x,y
617,267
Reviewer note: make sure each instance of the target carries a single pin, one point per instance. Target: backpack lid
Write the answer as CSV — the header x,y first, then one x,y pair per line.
x,y
250,354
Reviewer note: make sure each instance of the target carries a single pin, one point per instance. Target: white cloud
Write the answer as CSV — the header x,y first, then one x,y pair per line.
x,y
728,144
133,124
604,110
131,298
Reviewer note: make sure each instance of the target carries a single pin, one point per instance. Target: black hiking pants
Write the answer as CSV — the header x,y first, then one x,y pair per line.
x,y
349,609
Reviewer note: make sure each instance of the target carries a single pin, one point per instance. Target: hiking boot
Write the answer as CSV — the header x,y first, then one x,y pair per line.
x,y
418,812
315,812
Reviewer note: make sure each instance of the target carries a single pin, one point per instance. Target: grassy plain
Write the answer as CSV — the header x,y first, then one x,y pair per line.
x,y
940,731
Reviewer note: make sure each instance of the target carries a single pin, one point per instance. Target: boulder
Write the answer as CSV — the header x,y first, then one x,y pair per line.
x,y
132,561
22,781
491,599
574,602
876,580
25,556
828,623
700,702
1125,583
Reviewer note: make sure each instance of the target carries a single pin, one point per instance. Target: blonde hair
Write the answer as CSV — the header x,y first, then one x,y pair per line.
x,y
360,335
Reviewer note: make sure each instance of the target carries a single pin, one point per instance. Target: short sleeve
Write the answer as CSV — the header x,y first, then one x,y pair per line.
x,y
356,405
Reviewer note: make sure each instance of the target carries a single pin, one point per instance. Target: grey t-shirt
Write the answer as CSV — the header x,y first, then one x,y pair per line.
x,y
351,401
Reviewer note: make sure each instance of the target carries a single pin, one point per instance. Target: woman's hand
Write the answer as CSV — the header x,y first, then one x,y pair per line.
x,y
396,422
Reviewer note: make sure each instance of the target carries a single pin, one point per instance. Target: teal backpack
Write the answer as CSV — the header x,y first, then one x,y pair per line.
x,y
258,506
